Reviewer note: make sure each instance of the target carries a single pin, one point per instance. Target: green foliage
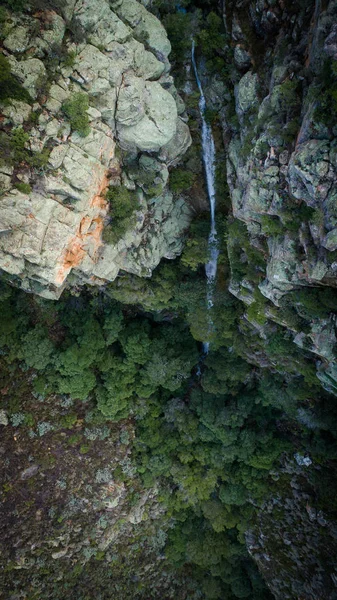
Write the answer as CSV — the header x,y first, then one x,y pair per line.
x,y
123,205
245,260
75,109
70,59
15,5
23,187
196,251
256,310
181,180
18,141
179,30
213,43
14,150
326,111
271,226
9,85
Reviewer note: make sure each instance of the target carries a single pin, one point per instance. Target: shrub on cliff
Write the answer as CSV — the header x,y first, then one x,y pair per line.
x,y
181,180
123,205
9,85
75,109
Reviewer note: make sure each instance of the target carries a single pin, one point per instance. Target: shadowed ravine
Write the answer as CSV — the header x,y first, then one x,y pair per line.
x,y
208,154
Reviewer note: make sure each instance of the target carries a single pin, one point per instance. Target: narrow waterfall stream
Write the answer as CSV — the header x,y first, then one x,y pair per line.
x,y
208,154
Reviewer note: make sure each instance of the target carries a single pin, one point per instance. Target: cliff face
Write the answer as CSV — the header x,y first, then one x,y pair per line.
x,y
280,134
281,168
116,58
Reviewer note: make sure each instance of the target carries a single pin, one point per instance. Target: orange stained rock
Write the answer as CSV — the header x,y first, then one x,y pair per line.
x,y
90,229
99,200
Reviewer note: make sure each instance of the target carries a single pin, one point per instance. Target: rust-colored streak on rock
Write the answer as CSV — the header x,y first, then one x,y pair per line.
x,y
99,200
90,229
73,255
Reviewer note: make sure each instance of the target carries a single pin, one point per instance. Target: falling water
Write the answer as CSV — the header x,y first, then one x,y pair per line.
x,y
208,154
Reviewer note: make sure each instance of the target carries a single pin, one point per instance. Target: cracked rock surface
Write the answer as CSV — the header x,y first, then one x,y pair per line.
x,y
56,229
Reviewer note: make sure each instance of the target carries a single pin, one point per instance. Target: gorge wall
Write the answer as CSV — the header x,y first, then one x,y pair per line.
x,y
131,467
52,226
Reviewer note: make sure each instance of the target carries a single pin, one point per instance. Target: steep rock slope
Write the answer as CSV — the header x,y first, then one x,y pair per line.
x,y
55,227
281,166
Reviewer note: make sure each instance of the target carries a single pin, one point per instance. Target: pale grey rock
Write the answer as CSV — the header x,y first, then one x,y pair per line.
x,y
330,46
52,128
99,144
57,92
93,113
158,125
242,58
146,26
59,554
328,377
31,73
102,25
5,183
307,172
107,106
57,228
91,64
17,40
3,418
178,145
330,240
246,93
56,29
57,155
131,102
146,64
302,461
29,472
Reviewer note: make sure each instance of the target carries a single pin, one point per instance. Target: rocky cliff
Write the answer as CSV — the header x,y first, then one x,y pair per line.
x,y
115,59
278,122
279,128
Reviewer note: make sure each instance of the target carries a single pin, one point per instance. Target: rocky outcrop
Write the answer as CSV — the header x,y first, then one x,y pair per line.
x,y
281,160
118,59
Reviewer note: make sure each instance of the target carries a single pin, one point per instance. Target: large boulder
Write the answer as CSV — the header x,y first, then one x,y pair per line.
x,y
146,26
155,112
246,93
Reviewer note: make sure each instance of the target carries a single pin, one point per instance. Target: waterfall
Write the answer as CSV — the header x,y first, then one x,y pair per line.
x,y
208,155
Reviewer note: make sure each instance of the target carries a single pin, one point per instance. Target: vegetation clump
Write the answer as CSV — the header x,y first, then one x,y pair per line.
x,y
123,203
181,180
75,109
23,187
10,87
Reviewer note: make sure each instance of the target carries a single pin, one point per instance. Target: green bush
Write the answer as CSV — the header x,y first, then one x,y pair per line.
x,y
271,225
9,85
179,30
23,187
326,110
256,310
123,205
18,140
75,109
69,60
18,153
181,180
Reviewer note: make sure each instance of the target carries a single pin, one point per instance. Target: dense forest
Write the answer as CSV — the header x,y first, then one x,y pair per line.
x,y
223,438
